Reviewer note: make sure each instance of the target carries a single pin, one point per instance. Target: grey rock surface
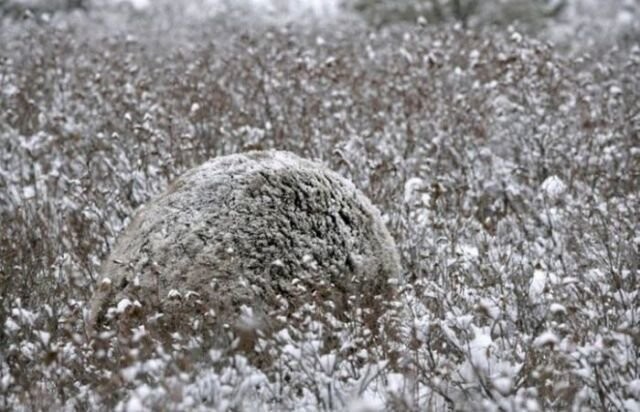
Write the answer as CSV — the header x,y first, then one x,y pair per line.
x,y
252,229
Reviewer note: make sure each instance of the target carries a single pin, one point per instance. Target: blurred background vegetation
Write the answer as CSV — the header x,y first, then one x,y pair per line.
x,y
534,13
571,23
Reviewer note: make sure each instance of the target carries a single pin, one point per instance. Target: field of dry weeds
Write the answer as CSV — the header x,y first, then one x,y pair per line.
x,y
507,170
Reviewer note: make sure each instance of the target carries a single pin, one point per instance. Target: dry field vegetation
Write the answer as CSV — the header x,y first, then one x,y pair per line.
x,y
508,171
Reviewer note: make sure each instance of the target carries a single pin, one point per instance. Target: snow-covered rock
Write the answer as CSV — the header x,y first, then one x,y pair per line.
x,y
252,229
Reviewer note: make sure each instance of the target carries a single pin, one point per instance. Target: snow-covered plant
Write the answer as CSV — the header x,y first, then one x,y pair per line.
x,y
506,169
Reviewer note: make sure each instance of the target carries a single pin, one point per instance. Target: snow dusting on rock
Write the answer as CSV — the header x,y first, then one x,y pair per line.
x,y
250,229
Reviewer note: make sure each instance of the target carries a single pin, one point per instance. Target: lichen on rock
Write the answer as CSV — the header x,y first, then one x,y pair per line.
x,y
248,230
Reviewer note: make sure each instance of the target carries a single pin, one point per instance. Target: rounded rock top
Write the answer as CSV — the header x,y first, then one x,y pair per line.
x,y
251,229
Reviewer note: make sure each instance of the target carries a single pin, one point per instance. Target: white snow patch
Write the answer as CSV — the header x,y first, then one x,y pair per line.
x,y
367,403
615,90
29,192
479,348
44,337
11,326
532,405
553,187
631,405
395,382
174,294
546,338
557,308
23,316
412,189
10,90
537,285
468,251
633,388
492,310
328,363
129,373
134,404
123,305
503,384
5,381
137,4
292,351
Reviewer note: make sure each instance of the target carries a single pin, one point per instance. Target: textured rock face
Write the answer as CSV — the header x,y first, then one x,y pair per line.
x,y
252,229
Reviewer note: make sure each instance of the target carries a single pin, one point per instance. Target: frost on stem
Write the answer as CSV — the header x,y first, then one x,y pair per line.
x,y
250,230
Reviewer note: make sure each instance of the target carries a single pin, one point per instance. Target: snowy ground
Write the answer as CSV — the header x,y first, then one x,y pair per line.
x,y
508,171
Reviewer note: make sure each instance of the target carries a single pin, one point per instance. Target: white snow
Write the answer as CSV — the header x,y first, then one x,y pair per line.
x,y
23,316
633,388
631,405
537,285
174,294
123,305
469,252
11,326
134,405
412,188
553,187
503,384
490,308
557,308
29,192
366,404
129,373
44,337
328,362
615,90
546,338
479,349
5,381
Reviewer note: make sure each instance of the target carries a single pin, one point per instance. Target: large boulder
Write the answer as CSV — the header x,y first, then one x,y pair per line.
x,y
257,230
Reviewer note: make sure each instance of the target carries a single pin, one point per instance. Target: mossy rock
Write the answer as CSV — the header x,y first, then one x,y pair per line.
x,y
258,230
